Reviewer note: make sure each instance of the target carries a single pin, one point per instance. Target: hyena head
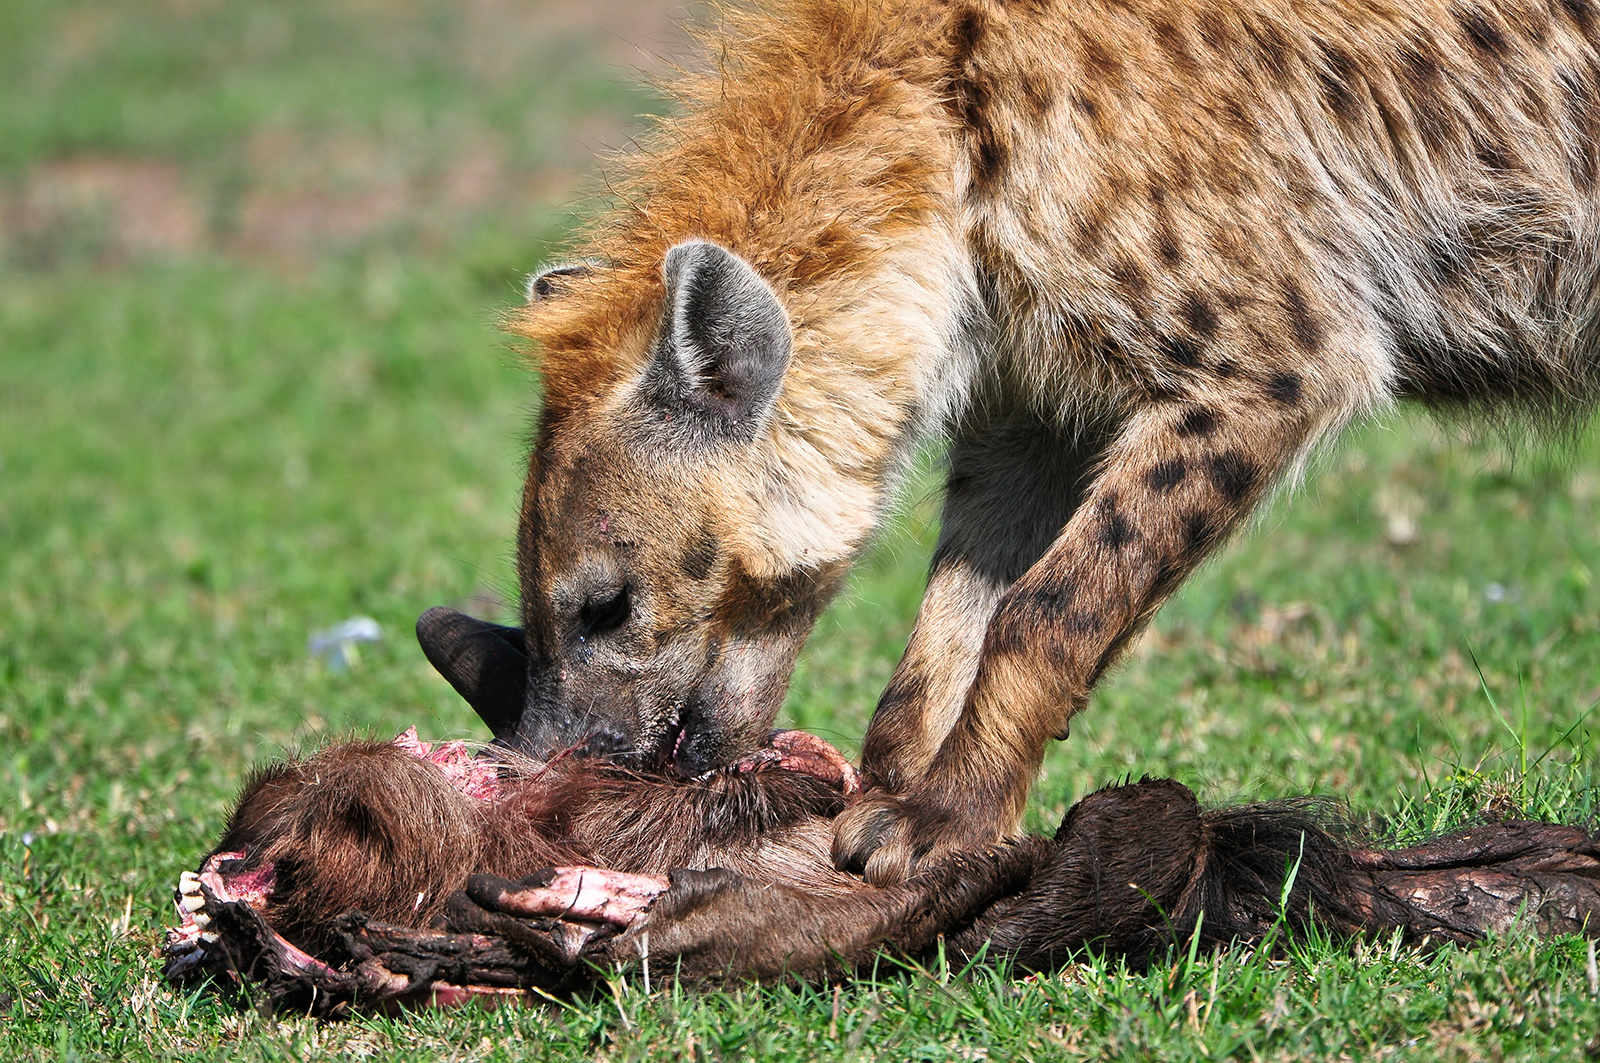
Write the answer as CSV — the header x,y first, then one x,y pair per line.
x,y
660,628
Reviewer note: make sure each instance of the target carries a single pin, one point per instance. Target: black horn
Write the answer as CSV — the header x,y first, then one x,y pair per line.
x,y
486,663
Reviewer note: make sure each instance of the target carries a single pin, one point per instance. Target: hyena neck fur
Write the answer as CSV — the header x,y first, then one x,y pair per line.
x,y
823,155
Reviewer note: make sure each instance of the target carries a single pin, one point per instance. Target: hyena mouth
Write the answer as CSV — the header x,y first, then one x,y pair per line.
x,y
665,754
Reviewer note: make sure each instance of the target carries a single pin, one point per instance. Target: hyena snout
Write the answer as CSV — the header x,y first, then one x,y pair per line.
x,y
705,718
644,728
489,667
547,730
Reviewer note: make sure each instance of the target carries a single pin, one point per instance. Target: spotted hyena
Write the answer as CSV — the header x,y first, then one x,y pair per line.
x,y
1134,259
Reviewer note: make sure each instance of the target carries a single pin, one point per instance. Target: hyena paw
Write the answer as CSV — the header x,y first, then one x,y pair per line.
x,y
887,838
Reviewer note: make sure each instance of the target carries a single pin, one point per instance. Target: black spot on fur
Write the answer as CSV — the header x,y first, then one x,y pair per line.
x,y
1284,387
1040,618
1422,82
1181,349
968,34
1036,96
1045,602
1226,368
1236,116
1130,278
1167,246
1419,69
1538,25
1304,326
1171,41
1082,623
1100,63
1198,421
1091,231
1201,533
971,99
1114,531
1490,152
1214,31
1336,77
1233,473
1199,316
1085,106
1581,12
698,560
990,155
1272,46
1167,475
1481,33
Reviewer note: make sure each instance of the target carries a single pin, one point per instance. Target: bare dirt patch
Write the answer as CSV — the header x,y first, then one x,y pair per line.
x,y
305,192
631,34
107,207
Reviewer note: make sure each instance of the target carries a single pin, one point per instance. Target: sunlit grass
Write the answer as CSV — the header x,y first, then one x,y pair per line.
x,y
209,454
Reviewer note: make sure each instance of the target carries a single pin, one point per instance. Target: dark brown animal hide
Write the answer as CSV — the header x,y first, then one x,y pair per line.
x,y
377,827
399,872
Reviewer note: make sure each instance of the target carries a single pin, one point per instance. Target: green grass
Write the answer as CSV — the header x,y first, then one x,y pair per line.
x,y
211,448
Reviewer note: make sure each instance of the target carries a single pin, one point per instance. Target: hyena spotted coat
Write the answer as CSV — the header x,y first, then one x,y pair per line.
x,y
1133,258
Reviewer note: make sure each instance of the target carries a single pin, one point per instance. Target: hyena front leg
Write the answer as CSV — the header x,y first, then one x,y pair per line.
x,y
1178,478
1014,482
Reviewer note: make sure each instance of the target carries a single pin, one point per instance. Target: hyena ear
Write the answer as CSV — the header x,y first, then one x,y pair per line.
x,y
724,343
552,280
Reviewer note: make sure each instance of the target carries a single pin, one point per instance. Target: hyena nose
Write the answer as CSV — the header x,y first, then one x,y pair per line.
x,y
538,735
607,741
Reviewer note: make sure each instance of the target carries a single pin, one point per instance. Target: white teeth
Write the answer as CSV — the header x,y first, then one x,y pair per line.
x,y
188,883
210,937
201,919
192,903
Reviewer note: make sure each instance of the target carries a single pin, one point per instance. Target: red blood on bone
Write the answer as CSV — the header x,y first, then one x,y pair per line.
x,y
587,893
474,776
251,887
806,753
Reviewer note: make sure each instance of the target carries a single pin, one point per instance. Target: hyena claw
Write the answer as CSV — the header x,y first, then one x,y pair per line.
x,y
887,838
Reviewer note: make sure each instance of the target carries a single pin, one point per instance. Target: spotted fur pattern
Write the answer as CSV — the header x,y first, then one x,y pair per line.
x,y
1136,258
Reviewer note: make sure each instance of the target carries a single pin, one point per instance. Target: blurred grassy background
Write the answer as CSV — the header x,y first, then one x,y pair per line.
x,y
251,256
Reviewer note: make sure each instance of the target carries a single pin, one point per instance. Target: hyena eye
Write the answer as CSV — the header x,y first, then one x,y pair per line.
x,y
605,612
